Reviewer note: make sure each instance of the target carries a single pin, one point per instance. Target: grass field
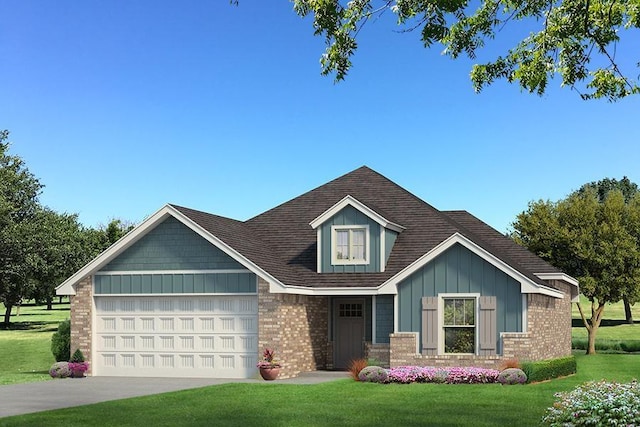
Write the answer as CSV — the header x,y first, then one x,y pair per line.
x,y
25,348
342,402
613,325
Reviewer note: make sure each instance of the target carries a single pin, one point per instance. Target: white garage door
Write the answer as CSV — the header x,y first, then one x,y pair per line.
x,y
169,336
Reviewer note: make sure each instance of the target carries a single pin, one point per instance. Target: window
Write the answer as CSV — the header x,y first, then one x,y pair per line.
x,y
350,244
459,324
350,310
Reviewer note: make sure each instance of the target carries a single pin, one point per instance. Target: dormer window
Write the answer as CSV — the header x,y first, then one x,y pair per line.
x,y
350,244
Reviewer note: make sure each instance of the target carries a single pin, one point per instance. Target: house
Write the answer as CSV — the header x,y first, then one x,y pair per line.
x,y
358,267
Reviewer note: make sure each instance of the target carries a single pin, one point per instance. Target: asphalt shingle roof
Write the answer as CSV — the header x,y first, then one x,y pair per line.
x,y
282,243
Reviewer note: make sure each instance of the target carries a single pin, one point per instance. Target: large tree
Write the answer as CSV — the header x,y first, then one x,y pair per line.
x,y
596,242
628,189
579,40
61,245
19,191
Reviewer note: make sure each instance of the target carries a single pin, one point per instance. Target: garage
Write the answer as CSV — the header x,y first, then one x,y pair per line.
x,y
212,336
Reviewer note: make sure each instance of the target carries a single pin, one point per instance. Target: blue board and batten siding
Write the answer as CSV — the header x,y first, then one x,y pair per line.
x,y
384,318
458,270
172,246
350,216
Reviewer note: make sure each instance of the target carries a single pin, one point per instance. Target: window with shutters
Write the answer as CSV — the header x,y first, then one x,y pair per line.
x,y
459,325
350,244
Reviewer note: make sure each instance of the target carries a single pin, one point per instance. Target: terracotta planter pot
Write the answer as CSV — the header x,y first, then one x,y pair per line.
x,y
269,374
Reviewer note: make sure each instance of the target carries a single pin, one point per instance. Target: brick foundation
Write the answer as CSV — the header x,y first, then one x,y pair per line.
x,y
296,327
81,318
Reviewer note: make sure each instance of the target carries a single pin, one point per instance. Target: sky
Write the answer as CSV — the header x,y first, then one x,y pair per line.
x,y
120,107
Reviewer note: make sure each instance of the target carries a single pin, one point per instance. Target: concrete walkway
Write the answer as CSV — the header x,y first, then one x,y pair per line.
x,y
18,399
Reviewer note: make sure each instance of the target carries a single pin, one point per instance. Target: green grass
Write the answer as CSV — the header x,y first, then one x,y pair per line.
x,y
613,326
25,348
342,402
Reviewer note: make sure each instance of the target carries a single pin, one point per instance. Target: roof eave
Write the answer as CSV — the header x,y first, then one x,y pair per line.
x,y
349,200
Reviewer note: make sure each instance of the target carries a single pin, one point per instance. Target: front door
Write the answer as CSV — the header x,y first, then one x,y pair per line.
x,y
349,316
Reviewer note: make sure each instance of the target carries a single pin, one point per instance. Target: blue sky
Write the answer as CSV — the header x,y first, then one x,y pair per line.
x,y
120,107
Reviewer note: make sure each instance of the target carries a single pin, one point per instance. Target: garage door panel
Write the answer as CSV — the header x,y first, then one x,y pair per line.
x,y
190,336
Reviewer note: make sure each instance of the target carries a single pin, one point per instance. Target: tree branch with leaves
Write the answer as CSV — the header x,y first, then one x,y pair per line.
x,y
576,40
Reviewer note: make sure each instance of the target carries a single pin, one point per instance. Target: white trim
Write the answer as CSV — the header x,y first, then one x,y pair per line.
x,y
182,294
526,285
67,287
319,251
396,319
382,249
525,311
327,291
140,272
441,298
352,201
334,244
373,320
558,276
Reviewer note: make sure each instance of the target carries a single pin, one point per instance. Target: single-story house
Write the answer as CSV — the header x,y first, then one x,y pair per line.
x,y
356,268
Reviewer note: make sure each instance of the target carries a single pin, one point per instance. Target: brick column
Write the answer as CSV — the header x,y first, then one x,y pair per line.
x,y
81,316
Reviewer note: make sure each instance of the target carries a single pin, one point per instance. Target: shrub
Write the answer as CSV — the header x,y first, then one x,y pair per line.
x,y
355,366
61,342
373,374
77,356
60,370
547,369
509,363
511,376
596,404
608,346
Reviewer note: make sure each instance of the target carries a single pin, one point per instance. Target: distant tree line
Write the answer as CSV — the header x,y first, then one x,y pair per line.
x,y
39,248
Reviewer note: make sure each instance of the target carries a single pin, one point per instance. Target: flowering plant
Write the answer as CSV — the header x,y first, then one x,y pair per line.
x,y
596,404
78,367
60,370
456,375
268,359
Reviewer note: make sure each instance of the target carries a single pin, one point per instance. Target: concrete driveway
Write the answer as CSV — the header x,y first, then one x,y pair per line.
x,y
17,399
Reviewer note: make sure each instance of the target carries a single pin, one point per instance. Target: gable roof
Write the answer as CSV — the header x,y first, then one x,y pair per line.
x,y
280,245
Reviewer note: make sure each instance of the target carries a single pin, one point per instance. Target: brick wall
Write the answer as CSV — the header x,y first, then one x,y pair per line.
x,y
549,323
296,326
81,315
403,353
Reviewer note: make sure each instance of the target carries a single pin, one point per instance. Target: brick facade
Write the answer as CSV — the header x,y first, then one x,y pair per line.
x,y
81,318
548,336
296,327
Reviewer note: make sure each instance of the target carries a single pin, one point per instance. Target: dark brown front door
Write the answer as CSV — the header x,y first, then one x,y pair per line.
x,y
349,315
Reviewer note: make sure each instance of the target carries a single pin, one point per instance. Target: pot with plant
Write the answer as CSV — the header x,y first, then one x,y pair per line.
x,y
77,365
269,368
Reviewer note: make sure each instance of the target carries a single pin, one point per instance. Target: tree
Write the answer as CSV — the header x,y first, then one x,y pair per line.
x,y
629,190
19,191
60,247
595,242
576,39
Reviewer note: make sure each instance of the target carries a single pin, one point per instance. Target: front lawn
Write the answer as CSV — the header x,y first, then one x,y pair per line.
x,y
25,348
342,402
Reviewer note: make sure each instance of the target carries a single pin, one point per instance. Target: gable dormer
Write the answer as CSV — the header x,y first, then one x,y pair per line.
x,y
353,238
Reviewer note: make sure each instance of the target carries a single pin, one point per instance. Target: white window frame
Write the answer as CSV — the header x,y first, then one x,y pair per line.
x,y
334,245
441,335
